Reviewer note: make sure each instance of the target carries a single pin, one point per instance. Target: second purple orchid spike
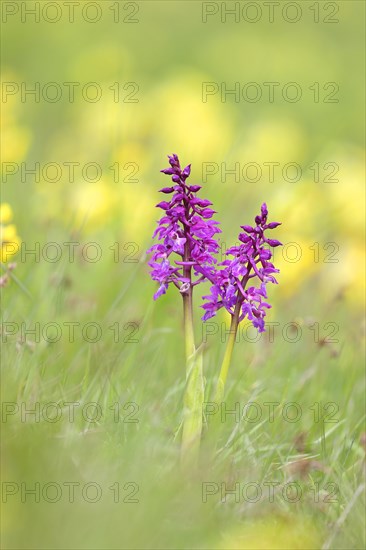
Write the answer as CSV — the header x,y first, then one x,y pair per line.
x,y
250,261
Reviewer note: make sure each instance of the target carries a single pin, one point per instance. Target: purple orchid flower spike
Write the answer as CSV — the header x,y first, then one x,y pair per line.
x,y
186,231
185,257
250,260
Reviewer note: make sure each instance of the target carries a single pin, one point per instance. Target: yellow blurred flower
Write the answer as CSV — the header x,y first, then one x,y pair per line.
x,y
198,131
9,240
275,533
276,140
297,262
348,274
15,138
93,203
347,196
6,213
15,143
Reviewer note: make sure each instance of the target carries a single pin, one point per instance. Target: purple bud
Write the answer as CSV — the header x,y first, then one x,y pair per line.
x,y
166,190
201,202
248,228
174,160
264,210
207,213
186,171
265,254
194,188
164,205
176,178
272,225
168,171
244,238
273,242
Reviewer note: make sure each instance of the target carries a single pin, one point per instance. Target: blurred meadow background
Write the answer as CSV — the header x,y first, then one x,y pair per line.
x,y
150,59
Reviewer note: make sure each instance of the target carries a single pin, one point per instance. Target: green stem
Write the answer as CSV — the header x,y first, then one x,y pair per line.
x,y
220,388
194,391
188,324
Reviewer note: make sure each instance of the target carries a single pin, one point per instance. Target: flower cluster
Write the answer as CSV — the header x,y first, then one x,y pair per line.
x,y
249,260
185,229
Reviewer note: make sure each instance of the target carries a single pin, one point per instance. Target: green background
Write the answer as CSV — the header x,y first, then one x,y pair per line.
x,y
167,55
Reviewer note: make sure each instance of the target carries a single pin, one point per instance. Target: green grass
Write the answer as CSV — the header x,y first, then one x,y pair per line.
x,y
146,378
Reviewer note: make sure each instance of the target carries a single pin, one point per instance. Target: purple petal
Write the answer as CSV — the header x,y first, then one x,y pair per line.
x,y
273,242
264,210
248,228
186,171
164,205
272,225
